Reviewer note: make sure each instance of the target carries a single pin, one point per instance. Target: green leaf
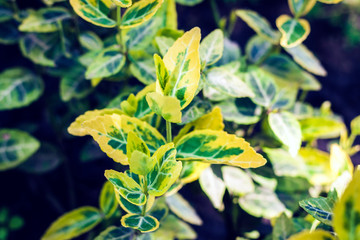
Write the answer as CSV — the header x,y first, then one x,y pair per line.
x,y
283,228
263,86
127,187
6,11
196,109
213,187
237,181
116,233
305,58
225,80
16,147
218,147
259,24
107,200
284,69
320,208
165,172
257,49
302,110
132,208
91,41
19,87
44,20
166,106
240,110
294,31
287,129
94,12
142,67
321,127
173,228
231,53
162,73
73,224
189,2
139,12
262,203
107,63
9,33
355,126
317,234
301,7
211,48
181,208
142,223
74,85
286,95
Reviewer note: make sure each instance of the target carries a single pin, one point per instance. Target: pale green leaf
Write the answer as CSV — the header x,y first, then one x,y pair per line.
x,y
301,7
189,2
355,126
90,41
237,181
181,208
116,233
142,67
142,223
166,106
213,187
211,48
283,228
257,49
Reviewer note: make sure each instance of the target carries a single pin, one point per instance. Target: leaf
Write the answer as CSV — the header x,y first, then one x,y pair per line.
x,y
134,143
308,235
189,2
237,181
285,96
211,48
302,110
139,12
218,147
76,128
132,208
305,58
73,224
320,127
142,223
19,87
301,7
287,129
91,41
110,131
127,187
347,211
9,33
355,126
166,106
339,161
227,82
262,203
259,24
162,74
107,200
183,62
257,49
283,228
6,11
142,67
139,158
196,109
284,69
165,172
122,3
74,85
94,12
16,147
263,86
116,233
330,1
172,227
44,20
107,63
240,110
320,208
163,44
294,31
192,170
213,187
181,208
231,53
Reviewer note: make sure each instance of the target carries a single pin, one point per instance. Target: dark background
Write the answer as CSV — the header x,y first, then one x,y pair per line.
x,y
40,199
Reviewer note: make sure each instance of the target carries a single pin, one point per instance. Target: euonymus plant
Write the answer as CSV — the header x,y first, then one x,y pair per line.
x,y
201,110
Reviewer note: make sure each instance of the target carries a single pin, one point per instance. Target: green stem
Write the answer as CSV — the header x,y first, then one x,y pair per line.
x,y
303,96
215,12
143,212
168,132
118,15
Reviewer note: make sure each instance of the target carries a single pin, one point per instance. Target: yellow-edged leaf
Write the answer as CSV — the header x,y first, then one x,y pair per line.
x,y
330,1
218,147
315,235
182,60
346,220
107,200
132,208
134,143
301,7
294,31
110,131
340,161
166,106
162,73
192,170
122,3
77,130
142,223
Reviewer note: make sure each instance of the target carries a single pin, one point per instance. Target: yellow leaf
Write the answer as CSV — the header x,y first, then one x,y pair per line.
x,y
316,235
182,60
135,143
77,130
346,220
339,161
166,106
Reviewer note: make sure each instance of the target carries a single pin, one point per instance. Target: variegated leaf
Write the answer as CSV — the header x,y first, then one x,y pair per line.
x,y
320,208
165,172
162,74
189,2
237,181
16,147
107,63
355,126
218,147
91,41
142,67
301,7
73,224
294,31
107,200
330,1
181,208
118,233
283,228
192,170
142,223
19,87
122,3
340,161
74,85
127,187
259,24
110,131
93,11
321,127
163,44
44,20
132,208
258,48
140,12
166,106
211,48
183,62
213,187
317,234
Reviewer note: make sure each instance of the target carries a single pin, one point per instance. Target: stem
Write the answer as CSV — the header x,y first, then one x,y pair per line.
x,y
215,12
143,212
118,15
168,132
118,20
303,96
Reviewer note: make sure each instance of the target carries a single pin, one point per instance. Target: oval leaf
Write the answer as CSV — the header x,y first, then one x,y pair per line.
x,y
294,31
107,201
142,223
211,48
183,209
